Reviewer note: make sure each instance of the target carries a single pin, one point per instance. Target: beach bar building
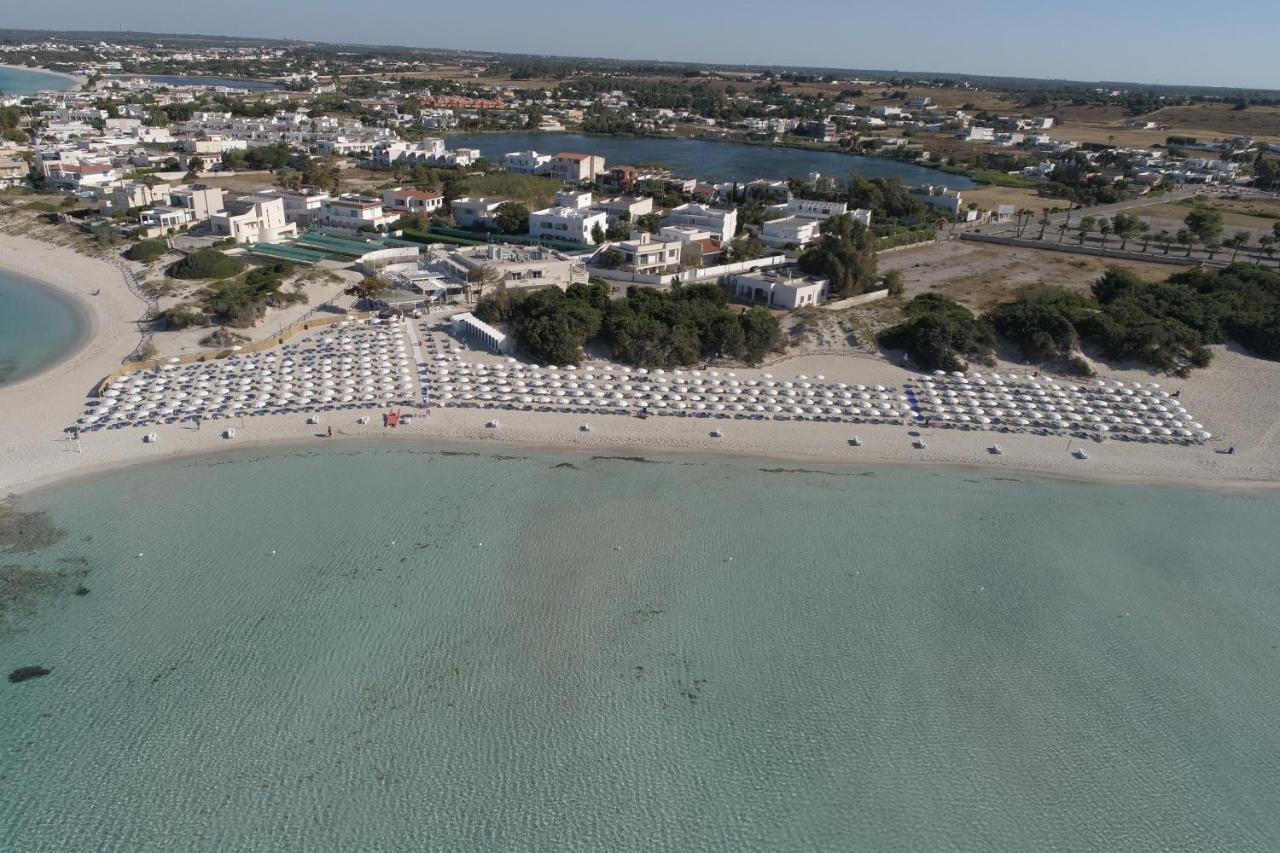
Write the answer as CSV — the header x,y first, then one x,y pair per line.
x,y
468,325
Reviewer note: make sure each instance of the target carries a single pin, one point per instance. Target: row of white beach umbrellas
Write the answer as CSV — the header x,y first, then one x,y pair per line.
x,y
345,364
1141,410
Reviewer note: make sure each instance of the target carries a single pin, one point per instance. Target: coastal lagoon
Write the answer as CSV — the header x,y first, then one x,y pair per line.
x,y
708,160
38,327
28,81
411,646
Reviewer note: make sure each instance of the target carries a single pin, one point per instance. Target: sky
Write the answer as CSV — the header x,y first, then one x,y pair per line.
x,y
1230,43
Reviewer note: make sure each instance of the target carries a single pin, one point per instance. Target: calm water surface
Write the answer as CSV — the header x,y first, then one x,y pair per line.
x,y
38,327
707,160
395,648
28,81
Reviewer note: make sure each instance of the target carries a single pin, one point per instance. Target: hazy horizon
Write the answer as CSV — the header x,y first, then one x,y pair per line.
x,y
1174,45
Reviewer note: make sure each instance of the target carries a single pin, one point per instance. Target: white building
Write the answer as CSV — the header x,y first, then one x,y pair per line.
x,y
630,208
941,197
567,223
302,206
430,150
780,289
254,219
123,197
722,224
803,221
353,212
573,168
468,212
645,254
526,162
401,200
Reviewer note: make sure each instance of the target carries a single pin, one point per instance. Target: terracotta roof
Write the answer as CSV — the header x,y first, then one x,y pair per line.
x,y
571,155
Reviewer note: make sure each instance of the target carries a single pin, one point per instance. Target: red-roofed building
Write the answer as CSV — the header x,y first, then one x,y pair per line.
x,y
400,200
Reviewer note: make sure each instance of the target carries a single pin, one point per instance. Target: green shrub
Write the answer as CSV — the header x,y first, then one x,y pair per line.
x,y
146,251
181,317
940,334
206,263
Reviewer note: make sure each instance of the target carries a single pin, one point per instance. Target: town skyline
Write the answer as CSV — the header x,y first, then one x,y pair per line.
x,y
1134,46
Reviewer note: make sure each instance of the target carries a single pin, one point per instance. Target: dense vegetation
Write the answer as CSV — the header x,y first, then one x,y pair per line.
x,y
649,327
1164,325
845,254
940,334
206,263
146,251
242,302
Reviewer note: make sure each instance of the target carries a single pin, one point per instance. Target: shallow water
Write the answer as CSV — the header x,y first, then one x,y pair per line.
x,y
708,160
28,81
38,327
380,647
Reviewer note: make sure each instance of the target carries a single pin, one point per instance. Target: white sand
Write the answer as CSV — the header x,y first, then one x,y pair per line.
x,y
1238,398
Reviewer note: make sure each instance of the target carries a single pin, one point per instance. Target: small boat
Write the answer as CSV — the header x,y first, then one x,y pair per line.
x,y
856,441
491,425
1080,453
150,438
716,433
995,450
919,444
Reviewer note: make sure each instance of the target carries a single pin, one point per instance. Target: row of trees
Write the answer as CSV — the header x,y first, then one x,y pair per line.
x,y
1203,227
648,327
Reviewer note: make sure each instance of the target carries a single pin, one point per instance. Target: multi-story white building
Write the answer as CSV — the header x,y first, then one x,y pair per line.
x,y
629,208
163,220
567,223
430,150
469,212
302,206
526,162
573,168
722,224
353,212
803,220
199,201
649,255
401,200
123,197
254,219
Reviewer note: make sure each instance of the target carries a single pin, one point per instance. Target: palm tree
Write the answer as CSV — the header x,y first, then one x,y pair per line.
x,y
1185,238
1105,228
1145,230
1268,244
1043,223
1063,229
1085,226
1238,241
1166,238
1212,245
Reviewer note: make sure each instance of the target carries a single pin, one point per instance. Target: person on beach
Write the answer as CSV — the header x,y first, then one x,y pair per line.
x,y
331,432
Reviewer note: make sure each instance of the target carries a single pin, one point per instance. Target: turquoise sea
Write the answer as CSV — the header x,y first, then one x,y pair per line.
x,y
414,647
38,327
27,81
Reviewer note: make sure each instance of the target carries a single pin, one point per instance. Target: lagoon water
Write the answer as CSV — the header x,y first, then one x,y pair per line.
x,y
38,327
708,160
407,647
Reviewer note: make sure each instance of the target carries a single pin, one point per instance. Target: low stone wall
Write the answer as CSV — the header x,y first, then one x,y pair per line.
x,y
854,301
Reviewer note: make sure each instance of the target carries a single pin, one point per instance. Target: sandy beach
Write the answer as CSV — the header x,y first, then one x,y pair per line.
x,y
1238,398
